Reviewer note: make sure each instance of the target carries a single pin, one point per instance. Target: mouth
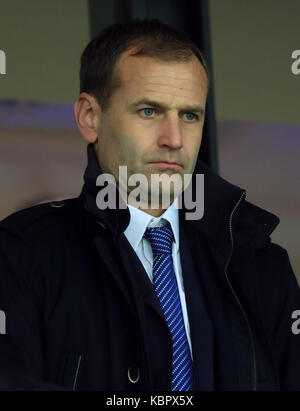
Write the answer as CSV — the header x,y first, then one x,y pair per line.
x,y
167,165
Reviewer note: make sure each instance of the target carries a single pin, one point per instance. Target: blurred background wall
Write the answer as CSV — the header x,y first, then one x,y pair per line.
x,y
43,40
42,155
257,106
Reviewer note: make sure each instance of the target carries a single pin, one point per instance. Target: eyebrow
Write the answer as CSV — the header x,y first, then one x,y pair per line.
x,y
155,104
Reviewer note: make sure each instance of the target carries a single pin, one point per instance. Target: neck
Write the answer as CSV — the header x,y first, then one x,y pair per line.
x,y
155,212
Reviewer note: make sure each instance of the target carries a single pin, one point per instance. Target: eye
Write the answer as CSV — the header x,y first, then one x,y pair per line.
x,y
194,116
148,111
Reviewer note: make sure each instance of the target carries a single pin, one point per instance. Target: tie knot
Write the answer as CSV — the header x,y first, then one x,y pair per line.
x,y
161,238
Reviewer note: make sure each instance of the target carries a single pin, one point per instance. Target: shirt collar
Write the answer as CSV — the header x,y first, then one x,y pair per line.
x,y
140,220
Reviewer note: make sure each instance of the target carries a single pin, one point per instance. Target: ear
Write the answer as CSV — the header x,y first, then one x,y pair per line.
x,y
87,115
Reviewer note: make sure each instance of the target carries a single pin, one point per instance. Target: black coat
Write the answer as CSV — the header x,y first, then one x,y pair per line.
x,y
81,312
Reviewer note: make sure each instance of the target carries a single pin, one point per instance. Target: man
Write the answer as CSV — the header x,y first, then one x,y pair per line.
x,y
134,297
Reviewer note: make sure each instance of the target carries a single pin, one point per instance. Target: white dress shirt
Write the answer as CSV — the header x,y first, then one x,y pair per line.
x,y
139,221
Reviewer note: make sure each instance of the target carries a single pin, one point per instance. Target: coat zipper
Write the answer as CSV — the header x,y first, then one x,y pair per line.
x,y
76,374
236,298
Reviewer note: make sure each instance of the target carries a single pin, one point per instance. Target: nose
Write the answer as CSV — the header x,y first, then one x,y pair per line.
x,y
170,132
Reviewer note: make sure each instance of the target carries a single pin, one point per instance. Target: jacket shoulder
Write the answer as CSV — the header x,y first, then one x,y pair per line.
x,y
27,222
255,224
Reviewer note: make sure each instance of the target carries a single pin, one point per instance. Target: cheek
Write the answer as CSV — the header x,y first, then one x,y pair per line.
x,y
126,151
193,151
109,149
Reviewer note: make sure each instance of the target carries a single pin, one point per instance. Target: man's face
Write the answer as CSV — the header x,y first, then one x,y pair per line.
x,y
166,127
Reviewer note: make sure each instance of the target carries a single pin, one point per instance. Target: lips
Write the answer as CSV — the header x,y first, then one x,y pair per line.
x,y
166,165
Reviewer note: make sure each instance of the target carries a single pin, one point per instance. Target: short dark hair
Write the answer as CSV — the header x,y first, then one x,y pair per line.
x,y
153,38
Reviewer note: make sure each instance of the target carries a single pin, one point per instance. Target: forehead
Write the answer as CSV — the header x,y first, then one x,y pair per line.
x,y
148,75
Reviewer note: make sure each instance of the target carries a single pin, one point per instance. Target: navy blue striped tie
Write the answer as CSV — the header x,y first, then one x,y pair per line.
x,y
165,284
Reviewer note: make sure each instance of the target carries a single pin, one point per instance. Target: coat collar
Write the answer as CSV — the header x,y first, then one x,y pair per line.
x,y
250,223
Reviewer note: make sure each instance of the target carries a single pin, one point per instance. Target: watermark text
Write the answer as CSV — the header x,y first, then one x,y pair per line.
x,y
295,67
2,322
155,191
2,62
296,324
